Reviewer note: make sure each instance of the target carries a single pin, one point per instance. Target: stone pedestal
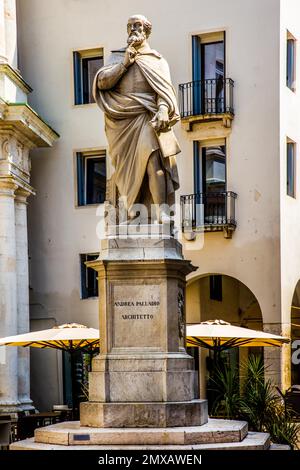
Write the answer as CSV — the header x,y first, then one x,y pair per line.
x,y
141,385
143,375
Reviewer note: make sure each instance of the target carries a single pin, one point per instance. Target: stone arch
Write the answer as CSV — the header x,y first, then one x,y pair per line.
x,y
237,304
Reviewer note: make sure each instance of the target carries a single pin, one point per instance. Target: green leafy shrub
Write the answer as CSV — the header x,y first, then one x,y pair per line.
x,y
225,384
282,427
258,398
257,402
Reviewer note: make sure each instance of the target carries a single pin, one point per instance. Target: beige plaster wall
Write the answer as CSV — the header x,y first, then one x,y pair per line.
x,y
46,60
289,207
48,33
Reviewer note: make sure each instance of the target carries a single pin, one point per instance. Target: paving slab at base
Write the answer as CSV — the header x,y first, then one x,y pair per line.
x,y
253,441
71,433
280,447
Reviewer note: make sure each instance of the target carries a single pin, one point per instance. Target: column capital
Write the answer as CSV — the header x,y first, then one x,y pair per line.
x,y
7,187
21,195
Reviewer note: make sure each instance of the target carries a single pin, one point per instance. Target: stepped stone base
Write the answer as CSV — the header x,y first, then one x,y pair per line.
x,y
215,435
145,415
71,433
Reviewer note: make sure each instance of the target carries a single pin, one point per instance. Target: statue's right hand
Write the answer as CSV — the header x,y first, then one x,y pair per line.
x,y
129,58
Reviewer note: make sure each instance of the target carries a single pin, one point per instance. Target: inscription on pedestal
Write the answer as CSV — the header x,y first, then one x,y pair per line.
x,y
136,315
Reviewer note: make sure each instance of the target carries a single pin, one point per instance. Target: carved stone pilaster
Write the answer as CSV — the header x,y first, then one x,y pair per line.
x,y
8,293
22,295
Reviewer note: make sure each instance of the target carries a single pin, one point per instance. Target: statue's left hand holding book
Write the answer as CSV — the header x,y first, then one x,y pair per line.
x,y
167,140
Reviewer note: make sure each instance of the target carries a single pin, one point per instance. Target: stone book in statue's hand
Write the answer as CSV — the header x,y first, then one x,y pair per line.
x,y
167,141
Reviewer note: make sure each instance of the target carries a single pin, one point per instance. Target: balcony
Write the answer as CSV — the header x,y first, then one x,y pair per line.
x,y
208,212
206,100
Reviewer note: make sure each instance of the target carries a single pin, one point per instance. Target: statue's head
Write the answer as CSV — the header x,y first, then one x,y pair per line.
x,y
139,29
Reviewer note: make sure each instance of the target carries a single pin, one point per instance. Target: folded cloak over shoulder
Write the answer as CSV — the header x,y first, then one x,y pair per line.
x,y
128,110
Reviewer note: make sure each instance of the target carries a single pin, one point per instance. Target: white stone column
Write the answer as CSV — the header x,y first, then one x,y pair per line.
x,y
22,296
11,32
2,33
8,296
278,360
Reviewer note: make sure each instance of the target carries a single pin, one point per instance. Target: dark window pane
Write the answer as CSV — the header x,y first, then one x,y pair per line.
x,y
89,283
77,78
290,71
213,65
214,169
213,60
90,67
210,179
291,169
91,179
215,284
80,180
95,180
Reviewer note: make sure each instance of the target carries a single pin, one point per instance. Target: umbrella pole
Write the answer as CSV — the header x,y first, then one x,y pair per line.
x,y
73,381
216,352
212,375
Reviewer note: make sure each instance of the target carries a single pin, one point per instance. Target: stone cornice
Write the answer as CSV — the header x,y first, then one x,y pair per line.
x,y
15,77
21,117
10,183
3,105
21,195
7,186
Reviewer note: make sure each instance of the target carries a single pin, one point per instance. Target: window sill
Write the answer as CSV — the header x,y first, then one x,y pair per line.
x,y
89,298
85,206
84,105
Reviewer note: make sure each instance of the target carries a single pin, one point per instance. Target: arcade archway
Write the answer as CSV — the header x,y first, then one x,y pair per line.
x,y
218,296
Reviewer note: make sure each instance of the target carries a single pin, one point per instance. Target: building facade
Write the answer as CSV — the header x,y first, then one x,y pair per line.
x,y
21,130
235,65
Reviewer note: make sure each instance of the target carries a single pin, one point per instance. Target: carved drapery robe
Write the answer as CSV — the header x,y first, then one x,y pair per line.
x,y
130,98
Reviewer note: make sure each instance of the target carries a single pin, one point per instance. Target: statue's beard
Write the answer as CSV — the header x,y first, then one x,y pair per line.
x,y
136,39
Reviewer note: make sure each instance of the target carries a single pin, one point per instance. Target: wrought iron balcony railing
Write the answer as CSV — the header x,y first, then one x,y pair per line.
x,y
209,212
206,97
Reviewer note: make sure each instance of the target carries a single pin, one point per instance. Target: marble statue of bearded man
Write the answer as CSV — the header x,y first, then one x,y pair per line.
x,y
136,94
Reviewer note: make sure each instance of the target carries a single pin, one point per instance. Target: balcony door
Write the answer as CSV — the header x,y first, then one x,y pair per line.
x,y
213,169
210,181
209,73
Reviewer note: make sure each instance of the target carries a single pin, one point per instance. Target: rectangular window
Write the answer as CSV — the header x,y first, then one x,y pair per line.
x,y
89,283
210,180
91,178
86,65
290,63
215,285
210,166
209,73
291,169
